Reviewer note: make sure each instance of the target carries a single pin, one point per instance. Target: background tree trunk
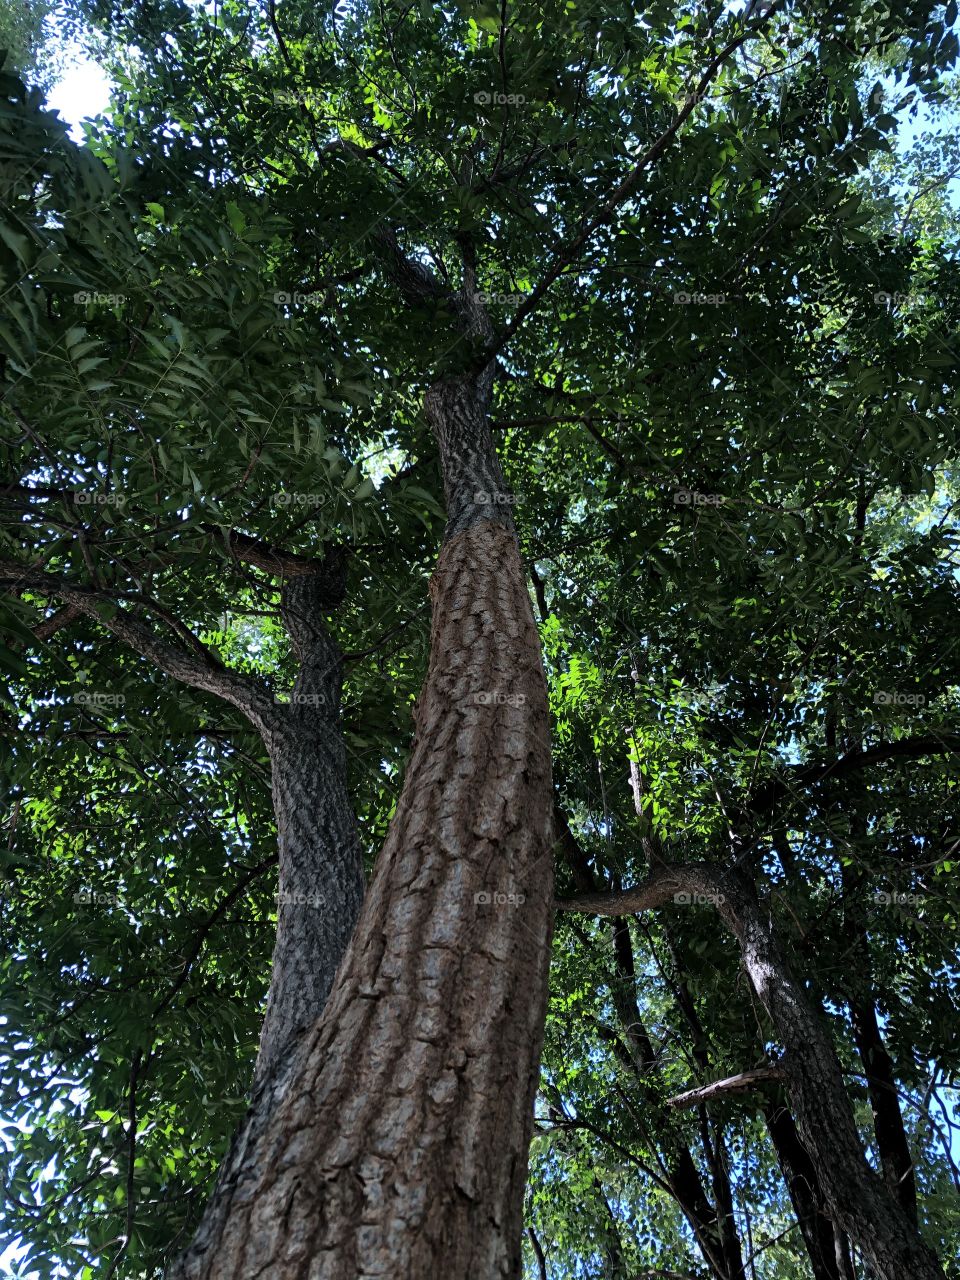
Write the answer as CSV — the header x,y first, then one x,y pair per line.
x,y
806,1194
321,871
857,1196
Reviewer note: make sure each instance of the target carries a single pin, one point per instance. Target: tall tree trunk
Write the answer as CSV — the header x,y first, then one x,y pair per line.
x,y
399,1146
806,1194
857,1196
721,1251
712,1224
896,1159
321,881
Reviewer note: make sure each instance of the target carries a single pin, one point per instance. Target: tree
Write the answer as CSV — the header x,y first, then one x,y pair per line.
x,y
511,253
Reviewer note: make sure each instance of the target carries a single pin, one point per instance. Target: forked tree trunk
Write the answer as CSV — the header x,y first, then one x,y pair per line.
x,y
399,1145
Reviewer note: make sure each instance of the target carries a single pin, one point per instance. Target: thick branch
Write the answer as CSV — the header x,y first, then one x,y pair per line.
x,y
195,665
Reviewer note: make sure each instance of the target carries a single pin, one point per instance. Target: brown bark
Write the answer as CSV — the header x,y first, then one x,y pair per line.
x,y
398,1146
715,1234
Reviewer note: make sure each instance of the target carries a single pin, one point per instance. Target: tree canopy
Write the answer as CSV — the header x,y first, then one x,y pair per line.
x,y
725,298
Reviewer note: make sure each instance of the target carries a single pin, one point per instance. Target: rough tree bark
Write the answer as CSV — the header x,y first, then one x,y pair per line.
x,y
321,880
399,1147
321,874
858,1198
806,1195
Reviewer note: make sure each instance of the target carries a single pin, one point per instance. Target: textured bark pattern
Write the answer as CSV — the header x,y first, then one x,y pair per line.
x,y
896,1160
858,1199
475,490
321,870
399,1149
716,1239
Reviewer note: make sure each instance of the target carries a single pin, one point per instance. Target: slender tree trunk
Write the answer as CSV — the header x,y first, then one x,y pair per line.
x,y
805,1192
858,1199
716,1235
399,1146
896,1159
857,1196
722,1255
321,881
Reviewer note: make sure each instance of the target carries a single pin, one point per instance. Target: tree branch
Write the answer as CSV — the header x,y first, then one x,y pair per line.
x,y
195,665
622,191
745,1082
767,796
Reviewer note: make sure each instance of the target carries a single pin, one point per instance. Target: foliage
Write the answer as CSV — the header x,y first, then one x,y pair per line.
x,y
731,430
